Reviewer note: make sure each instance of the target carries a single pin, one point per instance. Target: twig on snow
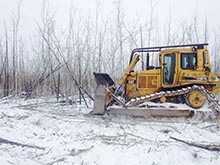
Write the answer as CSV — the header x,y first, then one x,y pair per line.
x,y
139,137
19,144
210,147
213,125
58,160
75,151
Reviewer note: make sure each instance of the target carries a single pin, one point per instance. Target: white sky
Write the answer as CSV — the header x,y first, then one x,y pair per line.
x,y
180,10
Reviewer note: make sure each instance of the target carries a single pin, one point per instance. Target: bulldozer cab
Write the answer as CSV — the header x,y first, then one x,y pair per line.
x,y
179,62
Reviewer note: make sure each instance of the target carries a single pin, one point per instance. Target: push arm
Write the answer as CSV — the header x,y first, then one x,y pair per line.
x,y
129,69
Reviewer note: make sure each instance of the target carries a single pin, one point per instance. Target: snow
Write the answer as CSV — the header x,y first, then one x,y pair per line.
x,y
69,135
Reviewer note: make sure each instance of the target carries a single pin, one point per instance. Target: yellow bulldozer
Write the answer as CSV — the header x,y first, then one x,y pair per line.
x,y
179,74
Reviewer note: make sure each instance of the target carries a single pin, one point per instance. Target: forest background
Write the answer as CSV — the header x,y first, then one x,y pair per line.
x,y
56,51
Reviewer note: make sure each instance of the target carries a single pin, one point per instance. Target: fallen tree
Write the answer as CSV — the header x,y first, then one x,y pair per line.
x,y
210,147
5,141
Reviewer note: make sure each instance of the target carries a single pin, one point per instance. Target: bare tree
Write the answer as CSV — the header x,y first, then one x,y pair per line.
x,y
151,23
119,32
195,25
168,29
16,16
6,64
216,51
206,31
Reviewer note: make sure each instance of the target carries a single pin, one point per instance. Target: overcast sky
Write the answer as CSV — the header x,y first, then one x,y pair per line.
x,y
180,10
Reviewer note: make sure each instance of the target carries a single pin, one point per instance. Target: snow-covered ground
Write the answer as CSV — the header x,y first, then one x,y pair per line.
x,y
46,132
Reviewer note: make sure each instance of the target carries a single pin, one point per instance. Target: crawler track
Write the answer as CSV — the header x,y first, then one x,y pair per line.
x,y
210,97
138,107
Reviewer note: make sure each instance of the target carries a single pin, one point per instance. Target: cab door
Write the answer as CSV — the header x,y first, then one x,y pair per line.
x,y
168,69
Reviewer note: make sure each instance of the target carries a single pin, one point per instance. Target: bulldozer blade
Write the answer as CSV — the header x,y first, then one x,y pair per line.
x,y
151,112
99,101
103,79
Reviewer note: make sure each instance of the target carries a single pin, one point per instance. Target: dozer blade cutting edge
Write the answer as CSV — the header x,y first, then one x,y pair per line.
x,y
151,112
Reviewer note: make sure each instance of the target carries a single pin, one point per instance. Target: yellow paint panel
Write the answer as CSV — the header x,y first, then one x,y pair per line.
x,y
142,83
147,82
152,81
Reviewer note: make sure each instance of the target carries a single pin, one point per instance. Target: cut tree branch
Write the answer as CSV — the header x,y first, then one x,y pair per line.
x,y
5,141
210,147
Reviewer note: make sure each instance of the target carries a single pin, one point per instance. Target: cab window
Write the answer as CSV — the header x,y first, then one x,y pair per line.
x,y
169,68
188,61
